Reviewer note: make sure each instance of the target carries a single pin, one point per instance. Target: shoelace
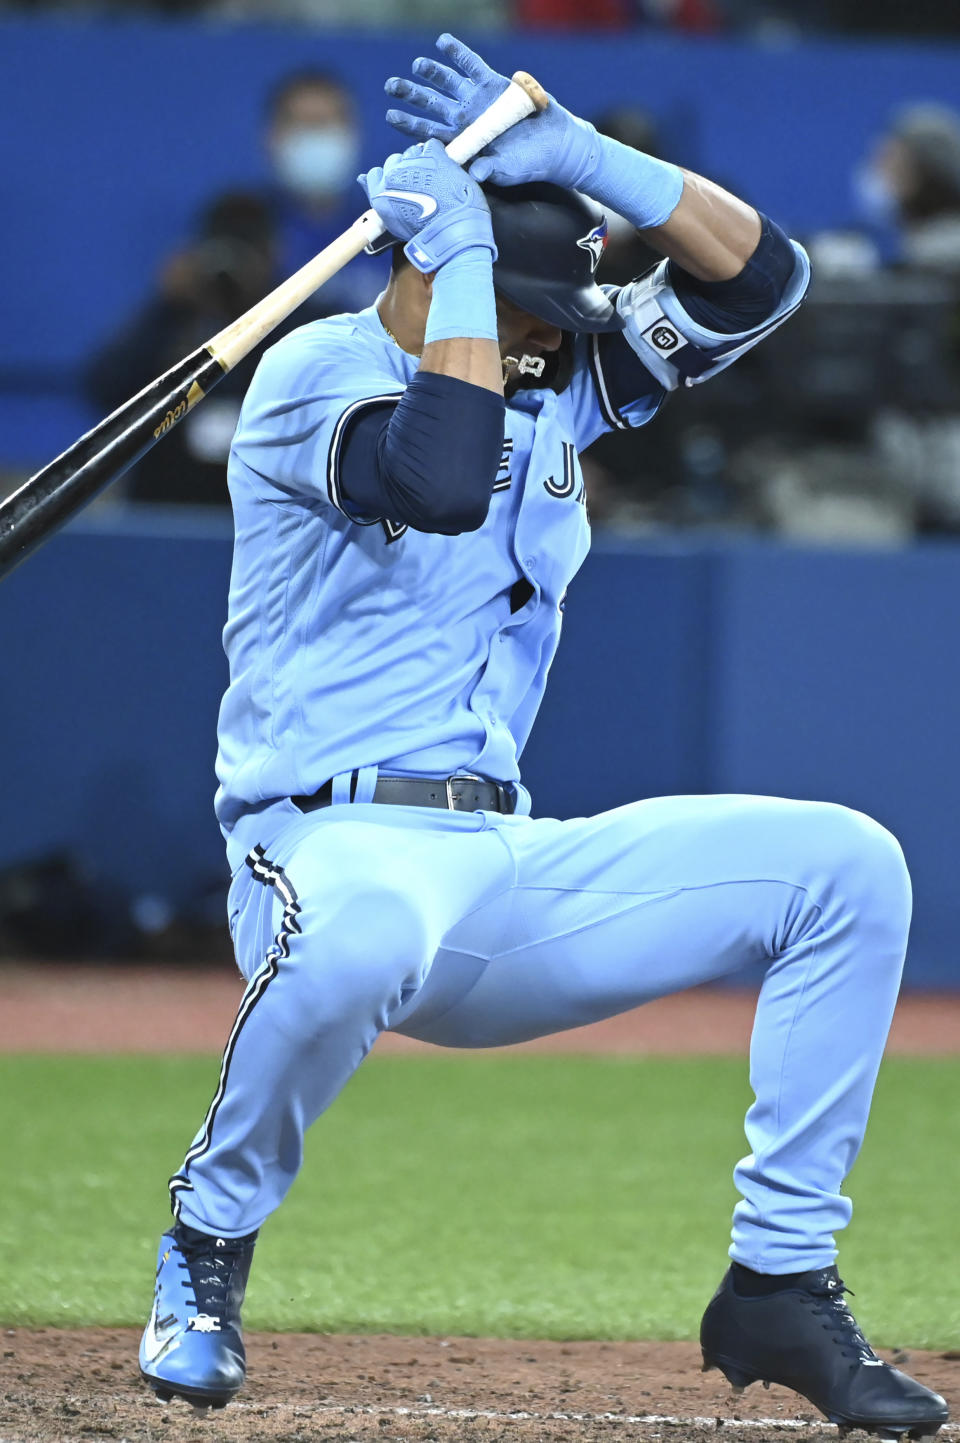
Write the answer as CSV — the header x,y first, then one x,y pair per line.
x,y
210,1269
829,1303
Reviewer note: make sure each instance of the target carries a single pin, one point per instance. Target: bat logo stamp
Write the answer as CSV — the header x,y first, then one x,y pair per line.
x,y
171,419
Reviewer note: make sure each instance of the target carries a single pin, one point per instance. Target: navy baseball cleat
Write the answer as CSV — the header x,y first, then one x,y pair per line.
x,y
805,1337
192,1347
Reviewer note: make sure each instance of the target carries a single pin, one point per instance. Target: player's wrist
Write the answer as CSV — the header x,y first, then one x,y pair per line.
x,y
645,191
577,155
450,235
462,303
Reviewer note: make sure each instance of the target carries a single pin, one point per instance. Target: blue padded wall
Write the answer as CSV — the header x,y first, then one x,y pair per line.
x,y
750,667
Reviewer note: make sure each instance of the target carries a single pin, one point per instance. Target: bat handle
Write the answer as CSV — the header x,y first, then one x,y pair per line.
x,y
522,97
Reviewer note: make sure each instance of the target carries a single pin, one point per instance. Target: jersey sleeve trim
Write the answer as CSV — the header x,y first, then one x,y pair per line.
x,y
608,410
340,432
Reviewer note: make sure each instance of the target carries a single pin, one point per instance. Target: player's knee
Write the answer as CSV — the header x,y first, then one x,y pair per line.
x,y
863,869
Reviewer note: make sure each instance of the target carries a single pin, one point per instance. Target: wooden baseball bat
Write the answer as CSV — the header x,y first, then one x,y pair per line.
x,y
45,502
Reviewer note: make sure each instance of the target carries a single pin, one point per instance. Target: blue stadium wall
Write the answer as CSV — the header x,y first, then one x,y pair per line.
x,y
118,132
726,668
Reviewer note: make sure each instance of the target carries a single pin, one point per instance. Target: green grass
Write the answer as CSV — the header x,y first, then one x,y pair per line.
x,y
521,1196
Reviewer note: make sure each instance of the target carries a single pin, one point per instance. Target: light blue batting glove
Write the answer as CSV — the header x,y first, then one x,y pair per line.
x,y
551,145
426,199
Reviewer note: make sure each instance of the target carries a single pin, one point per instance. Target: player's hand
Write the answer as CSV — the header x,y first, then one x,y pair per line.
x,y
426,199
551,145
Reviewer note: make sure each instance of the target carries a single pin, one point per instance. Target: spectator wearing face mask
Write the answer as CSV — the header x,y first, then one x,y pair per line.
x,y
245,243
313,143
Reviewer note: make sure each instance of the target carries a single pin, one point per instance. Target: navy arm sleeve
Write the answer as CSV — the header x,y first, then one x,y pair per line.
x,y
429,460
727,307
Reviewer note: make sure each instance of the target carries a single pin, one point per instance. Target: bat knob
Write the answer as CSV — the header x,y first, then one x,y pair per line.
x,y
533,88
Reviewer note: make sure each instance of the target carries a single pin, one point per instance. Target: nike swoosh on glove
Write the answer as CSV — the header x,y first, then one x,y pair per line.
x,y
426,199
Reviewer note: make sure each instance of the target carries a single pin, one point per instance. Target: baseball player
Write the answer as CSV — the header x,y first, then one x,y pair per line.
x,y
409,513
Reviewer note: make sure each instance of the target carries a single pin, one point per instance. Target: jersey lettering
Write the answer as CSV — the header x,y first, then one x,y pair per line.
x,y
566,486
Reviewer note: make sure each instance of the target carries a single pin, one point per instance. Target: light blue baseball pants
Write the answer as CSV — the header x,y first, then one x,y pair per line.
x,y
474,930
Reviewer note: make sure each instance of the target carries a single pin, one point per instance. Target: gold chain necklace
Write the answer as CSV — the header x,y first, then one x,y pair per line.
x,y
393,338
506,362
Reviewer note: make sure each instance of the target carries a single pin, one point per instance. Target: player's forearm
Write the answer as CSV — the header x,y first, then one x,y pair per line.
x,y
710,233
476,361
698,224
461,333
747,299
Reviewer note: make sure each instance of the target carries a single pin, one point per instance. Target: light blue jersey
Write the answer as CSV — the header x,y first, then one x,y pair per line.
x,y
355,645
359,644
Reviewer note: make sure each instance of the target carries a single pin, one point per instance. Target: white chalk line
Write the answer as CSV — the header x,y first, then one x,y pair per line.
x,y
634,1420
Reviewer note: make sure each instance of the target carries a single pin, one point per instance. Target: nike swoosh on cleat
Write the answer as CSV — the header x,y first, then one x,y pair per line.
x,y
426,203
154,1346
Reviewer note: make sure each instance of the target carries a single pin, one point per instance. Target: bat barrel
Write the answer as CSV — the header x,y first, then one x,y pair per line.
x,y
71,482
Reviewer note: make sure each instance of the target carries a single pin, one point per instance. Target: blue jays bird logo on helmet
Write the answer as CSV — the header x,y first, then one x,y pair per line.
x,y
595,242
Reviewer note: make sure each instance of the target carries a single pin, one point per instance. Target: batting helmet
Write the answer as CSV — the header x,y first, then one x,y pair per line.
x,y
549,244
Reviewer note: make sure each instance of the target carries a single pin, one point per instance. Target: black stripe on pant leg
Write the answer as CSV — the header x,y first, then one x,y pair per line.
x,y
271,875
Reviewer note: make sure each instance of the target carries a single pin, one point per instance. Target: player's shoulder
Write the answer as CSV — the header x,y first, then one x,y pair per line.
x,y
326,351
322,365
332,342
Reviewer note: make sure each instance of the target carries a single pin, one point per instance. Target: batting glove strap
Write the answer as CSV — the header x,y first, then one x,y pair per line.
x,y
463,303
425,198
449,235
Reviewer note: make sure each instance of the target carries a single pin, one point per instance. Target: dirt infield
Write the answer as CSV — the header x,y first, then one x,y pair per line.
x,y
82,1386
53,1008
79,1387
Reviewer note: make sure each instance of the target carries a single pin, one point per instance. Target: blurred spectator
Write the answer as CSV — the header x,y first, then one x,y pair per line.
x,y
847,428
860,394
366,14
774,19
246,244
691,15
313,142
909,190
